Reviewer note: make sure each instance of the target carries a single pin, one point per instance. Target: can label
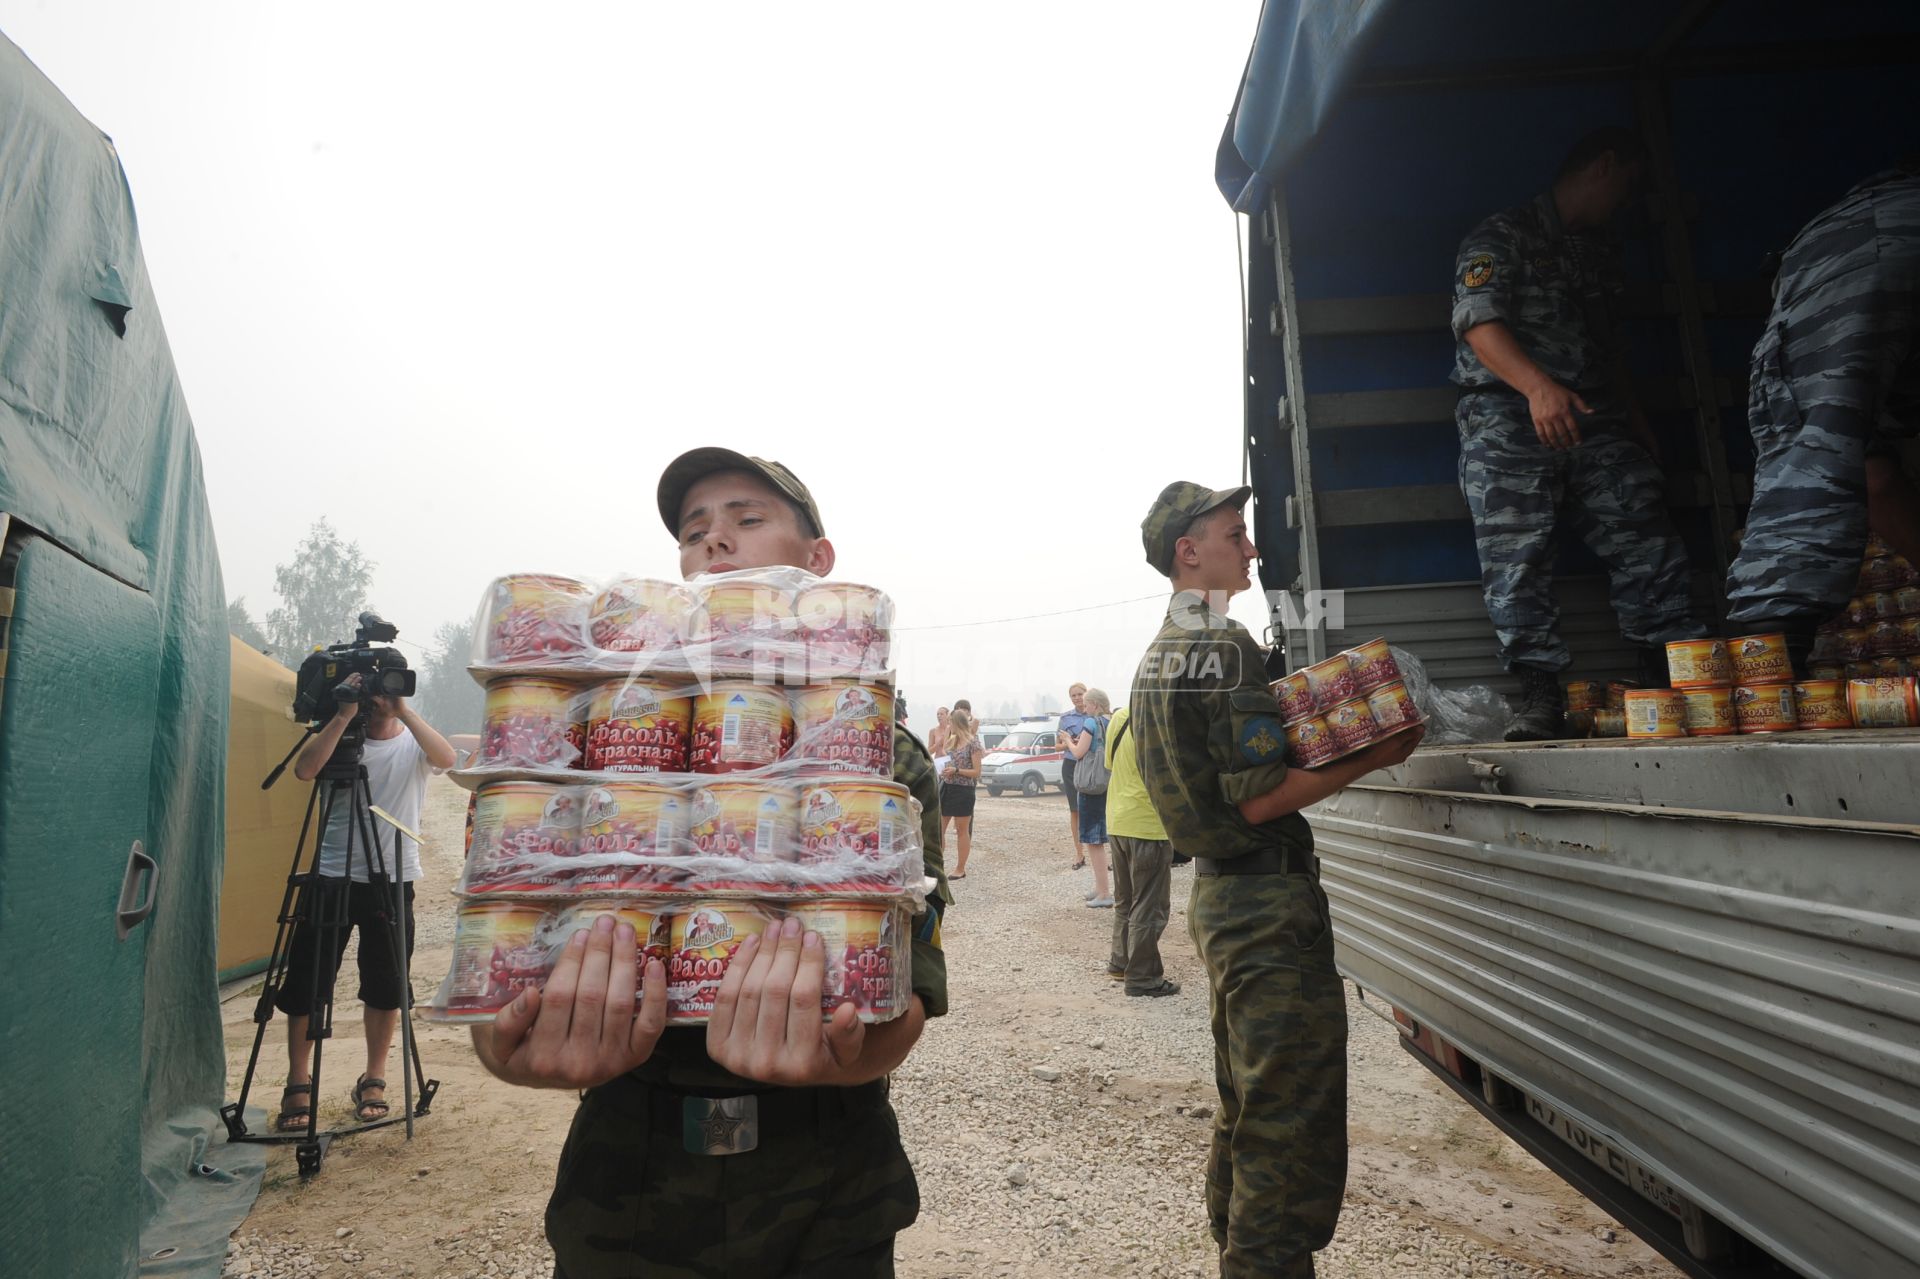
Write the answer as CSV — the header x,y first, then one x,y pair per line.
x,y
1352,725
739,726
704,939
1761,659
1393,707
525,723
1699,663
1294,696
1372,665
638,726
846,628
1885,640
534,617
852,829
638,615
859,941
846,724
1909,635
1885,702
652,929
1827,670
1586,695
1609,723
1765,708
622,823
1856,612
1879,574
751,821
1710,712
1331,682
1855,644
496,954
1906,601
1617,690
1822,704
523,837
1310,743
1656,712
737,619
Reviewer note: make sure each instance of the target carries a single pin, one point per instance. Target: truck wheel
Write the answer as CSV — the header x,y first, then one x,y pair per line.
x,y
1030,785
994,791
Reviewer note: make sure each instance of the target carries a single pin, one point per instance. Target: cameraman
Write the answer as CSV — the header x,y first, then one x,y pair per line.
x,y
400,751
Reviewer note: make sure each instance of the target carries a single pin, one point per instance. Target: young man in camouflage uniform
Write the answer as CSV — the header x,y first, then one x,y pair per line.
x,y
1548,426
1835,388
1212,754
801,1173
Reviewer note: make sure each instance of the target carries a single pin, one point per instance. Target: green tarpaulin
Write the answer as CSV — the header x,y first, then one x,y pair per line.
x,y
113,712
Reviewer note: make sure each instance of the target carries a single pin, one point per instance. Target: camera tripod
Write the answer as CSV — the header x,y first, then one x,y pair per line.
x,y
308,906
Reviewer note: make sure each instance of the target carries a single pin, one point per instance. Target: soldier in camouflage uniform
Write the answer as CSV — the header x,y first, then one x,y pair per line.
x,y
1548,429
1212,755
1835,386
753,1147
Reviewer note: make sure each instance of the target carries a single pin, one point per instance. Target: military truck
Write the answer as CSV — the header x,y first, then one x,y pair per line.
x,y
1684,974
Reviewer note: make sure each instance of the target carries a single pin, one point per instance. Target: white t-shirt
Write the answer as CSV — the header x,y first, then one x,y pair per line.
x,y
397,772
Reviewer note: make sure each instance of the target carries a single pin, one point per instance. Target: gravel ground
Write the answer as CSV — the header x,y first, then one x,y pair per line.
x,y
1058,1128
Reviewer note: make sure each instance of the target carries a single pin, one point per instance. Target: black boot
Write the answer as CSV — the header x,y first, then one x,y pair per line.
x,y
1651,666
1540,713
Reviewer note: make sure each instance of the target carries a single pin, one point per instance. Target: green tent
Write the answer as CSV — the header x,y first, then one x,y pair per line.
x,y
113,713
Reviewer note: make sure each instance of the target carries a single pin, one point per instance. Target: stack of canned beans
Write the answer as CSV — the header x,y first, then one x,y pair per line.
x,y
1344,704
1746,685
1598,708
1877,634
705,759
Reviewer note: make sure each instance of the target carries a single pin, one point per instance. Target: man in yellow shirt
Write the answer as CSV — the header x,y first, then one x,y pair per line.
x,y
1142,871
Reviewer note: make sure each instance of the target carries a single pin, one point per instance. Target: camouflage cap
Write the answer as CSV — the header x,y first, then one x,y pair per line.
x,y
696,464
1178,506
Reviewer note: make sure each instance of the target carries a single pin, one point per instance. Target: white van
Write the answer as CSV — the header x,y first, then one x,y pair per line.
x,y
1027,759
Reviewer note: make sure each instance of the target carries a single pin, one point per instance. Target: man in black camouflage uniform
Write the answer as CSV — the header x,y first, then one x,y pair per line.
x,y
1835,388
757,1146
1212,755
1548,428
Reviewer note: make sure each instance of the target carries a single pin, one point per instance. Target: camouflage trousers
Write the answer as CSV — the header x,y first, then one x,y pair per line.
x,y
821,1198
1277,1169
1817,407
1607,490
1142,888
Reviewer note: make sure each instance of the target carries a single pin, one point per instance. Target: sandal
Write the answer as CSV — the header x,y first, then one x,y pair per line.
x,y
367,1109
294,1118
961,875
1079,865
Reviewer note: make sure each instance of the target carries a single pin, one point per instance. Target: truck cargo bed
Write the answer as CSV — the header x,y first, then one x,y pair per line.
x,y
1702,955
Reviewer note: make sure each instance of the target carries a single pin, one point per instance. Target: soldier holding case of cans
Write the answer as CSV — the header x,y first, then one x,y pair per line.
x,y
1212,754
1548,425
762,1144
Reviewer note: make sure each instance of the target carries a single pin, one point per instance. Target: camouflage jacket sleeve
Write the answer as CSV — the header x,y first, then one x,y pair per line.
x,y
1484,274
1245,737
913,768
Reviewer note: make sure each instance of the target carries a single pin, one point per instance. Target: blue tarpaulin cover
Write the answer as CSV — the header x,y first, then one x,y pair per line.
x,y
1303,54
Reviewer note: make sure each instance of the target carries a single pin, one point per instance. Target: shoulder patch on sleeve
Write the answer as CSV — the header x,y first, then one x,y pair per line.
x,y
1478,271
1262,740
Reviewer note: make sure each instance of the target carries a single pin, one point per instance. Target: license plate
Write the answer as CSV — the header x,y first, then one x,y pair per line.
x,y
1606,1153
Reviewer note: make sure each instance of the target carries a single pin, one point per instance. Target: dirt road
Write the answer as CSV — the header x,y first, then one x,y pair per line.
x,y
1089,1166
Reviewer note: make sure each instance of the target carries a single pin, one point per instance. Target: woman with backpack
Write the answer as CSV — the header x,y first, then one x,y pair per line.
x,y
1090,774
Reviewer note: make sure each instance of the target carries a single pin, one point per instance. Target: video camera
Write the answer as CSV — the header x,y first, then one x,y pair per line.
x,y
317,691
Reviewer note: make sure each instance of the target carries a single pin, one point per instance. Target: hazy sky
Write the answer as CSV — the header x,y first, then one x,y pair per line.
x,y
463,277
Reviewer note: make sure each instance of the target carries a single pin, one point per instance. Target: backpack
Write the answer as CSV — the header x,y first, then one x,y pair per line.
x,y
1090,771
